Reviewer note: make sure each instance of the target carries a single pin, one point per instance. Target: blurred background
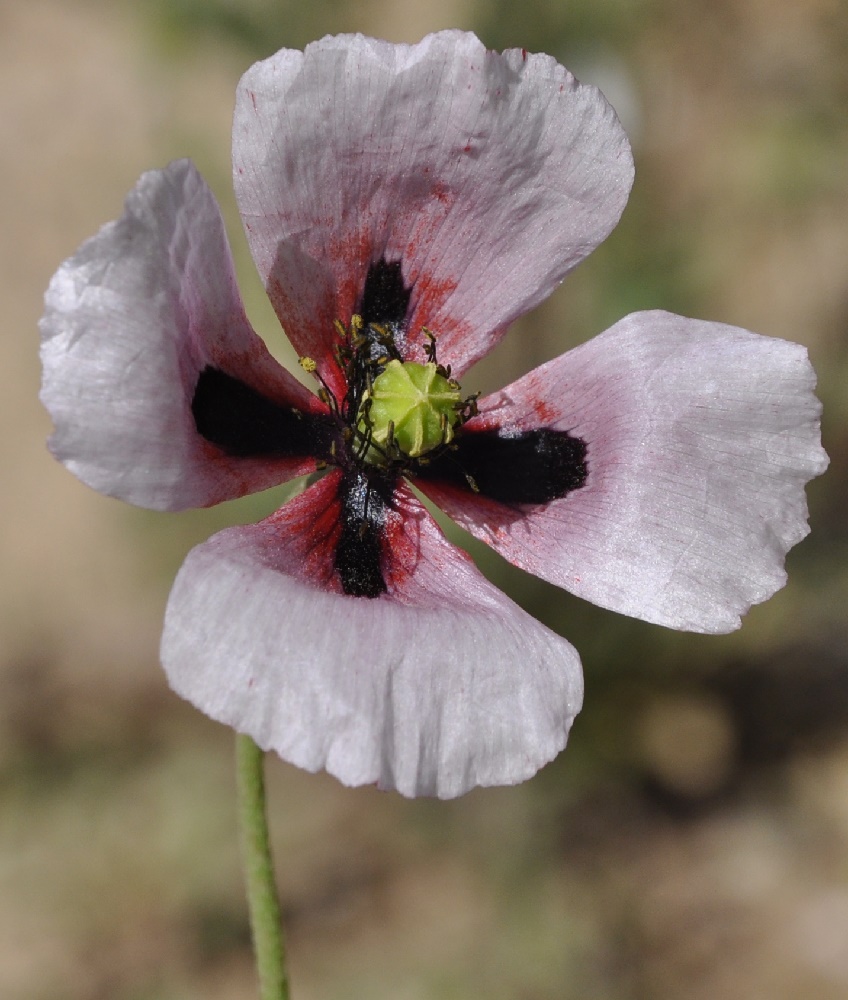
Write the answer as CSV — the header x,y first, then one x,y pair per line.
x,y
692,842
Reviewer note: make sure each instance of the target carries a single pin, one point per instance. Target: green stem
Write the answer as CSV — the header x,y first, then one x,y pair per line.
x,y
265,922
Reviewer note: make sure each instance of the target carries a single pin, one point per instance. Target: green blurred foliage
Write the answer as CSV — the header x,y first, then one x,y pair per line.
x,y
255,27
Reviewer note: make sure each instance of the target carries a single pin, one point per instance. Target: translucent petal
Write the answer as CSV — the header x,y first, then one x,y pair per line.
x,y
488,176
437,686
130,322
701,438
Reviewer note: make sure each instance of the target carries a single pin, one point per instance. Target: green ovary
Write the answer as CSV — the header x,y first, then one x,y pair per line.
x,y
420,405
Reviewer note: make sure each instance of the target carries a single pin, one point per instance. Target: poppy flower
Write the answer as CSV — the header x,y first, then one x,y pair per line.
x,y
404,204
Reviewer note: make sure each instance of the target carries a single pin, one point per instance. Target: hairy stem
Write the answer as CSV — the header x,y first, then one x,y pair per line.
x,y
265,923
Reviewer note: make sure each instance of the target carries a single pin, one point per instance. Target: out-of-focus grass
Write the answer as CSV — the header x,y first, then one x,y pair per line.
x,y
691,841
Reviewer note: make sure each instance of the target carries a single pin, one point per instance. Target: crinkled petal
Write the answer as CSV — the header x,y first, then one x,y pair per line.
x,y
700,440
488,176
130,321
437,686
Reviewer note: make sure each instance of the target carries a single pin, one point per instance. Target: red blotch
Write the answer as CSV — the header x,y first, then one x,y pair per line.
x,y
309,528
429,295
401,547
351,256
543,413
239,477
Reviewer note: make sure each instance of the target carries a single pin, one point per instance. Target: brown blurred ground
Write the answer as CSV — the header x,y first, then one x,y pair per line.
x,y
693,841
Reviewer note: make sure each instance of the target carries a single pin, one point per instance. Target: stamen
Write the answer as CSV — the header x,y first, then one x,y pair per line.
x,y
430,346
325,393
394,411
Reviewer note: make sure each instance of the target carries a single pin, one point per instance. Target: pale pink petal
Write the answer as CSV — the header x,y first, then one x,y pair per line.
x,y
437,686
700,440
487,176
130,322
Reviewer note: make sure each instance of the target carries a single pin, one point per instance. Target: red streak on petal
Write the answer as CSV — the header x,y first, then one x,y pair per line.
x,y
320,542
315,336
430,308
400,552
243,476
285,305
428,296
309,528
532,414
544,413
351,256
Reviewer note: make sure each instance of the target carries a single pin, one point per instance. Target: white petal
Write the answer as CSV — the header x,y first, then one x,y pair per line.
x,y
130,321
700,440
488,176
435,687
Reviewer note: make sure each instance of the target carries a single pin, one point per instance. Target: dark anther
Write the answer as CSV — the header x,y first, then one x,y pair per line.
x,y
243,423
364,499
531,467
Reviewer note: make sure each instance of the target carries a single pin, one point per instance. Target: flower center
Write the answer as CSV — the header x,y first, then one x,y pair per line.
x,y
410,408
395,415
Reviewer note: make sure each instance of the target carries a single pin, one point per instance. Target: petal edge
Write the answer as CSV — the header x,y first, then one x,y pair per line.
x,y
440,685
